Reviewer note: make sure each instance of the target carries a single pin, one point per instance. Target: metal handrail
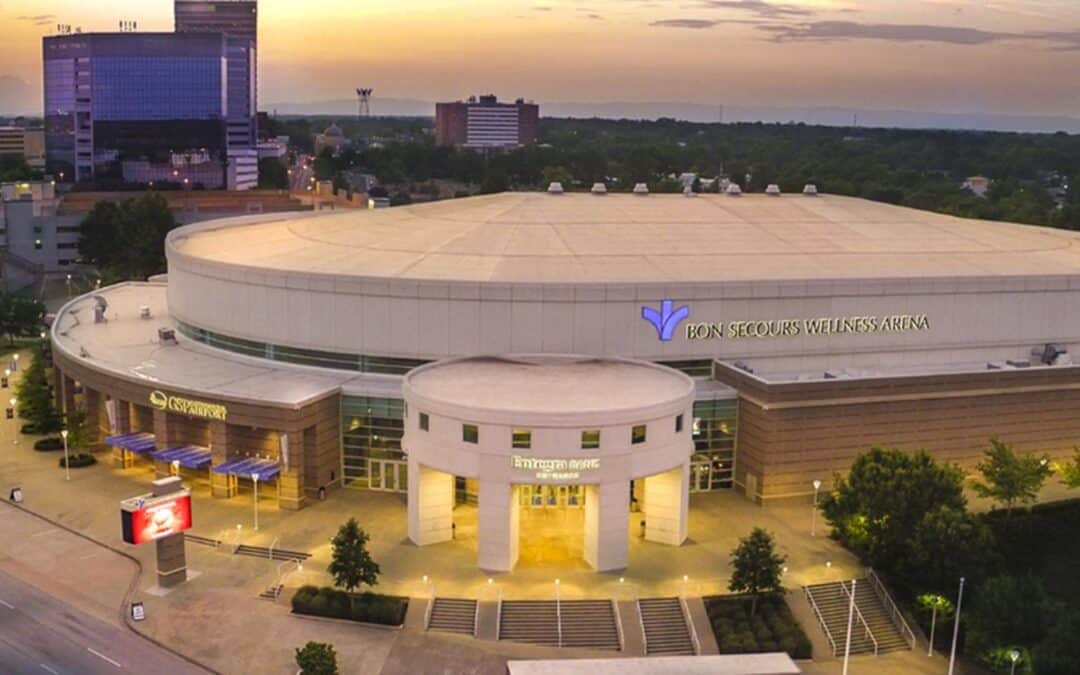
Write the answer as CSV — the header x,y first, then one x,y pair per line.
x,y
858,613
821,619
430,608
641,622
618,623
498,615
558,615
890,605
690,625
270,555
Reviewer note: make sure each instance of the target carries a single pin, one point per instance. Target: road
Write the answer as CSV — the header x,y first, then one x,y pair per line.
x,y
41,635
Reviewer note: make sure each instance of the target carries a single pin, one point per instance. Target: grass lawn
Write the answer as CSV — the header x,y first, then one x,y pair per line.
x,y
771,629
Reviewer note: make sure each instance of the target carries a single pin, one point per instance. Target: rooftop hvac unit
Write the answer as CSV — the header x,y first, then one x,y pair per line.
x,y
1052,355
810,190
166,336
599,189
734,190
100,307
641,189
144,311
773,190
555,188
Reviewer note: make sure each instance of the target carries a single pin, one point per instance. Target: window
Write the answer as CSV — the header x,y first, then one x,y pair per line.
x,y
469,433
424,422
637,434
522,439
678,423
590,439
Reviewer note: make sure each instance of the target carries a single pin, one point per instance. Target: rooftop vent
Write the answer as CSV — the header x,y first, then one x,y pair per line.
x,y
810,190
599,189
555,188
144,311
773,190
641,189
166,335
734,190
1052,355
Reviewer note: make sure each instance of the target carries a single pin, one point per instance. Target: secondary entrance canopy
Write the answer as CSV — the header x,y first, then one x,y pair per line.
x,y
139,443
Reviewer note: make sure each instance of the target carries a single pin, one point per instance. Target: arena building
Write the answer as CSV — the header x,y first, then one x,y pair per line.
x,y
605,355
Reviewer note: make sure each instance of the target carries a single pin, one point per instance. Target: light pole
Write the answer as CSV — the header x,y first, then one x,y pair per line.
x,y
813,511
255,482
67,460
1014,655
15,361
15,416
956,627
850,617
936,601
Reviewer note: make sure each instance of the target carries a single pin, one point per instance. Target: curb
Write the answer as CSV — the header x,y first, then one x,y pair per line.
x,y
346,622
124,617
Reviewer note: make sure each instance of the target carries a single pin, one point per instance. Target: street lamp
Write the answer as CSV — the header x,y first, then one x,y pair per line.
x,y
850,619
255,482
956,627
15,360
813,512
67,460
1014,656
15,416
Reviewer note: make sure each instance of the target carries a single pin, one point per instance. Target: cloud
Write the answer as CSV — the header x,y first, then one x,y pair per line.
x,y
684,23
760,8
38,19
827,31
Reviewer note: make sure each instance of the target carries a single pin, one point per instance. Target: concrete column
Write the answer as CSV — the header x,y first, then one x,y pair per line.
x,y
498,526
607,514
123,417
58,389
667,505
95,412
431,505
291,481
220,485
68,395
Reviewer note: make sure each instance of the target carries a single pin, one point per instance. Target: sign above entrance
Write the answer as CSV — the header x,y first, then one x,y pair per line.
x,y
555,469
186,406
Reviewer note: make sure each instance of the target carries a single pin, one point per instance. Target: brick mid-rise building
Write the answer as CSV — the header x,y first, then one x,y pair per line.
x,y
484,122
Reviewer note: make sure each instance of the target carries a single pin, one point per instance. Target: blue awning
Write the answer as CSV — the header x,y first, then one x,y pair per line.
x,y
189,456
265,468
140,443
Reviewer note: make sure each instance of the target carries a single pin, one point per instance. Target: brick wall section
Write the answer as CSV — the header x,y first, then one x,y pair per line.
x,y
791,433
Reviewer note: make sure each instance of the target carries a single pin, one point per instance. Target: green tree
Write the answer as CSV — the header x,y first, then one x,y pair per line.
x,y
556,174
99,232
876,508
19,316
34,396
351,564
78,429
317,658
1070,470
938,608
1009,610
127,240
1009,478
756,567
947,544
272,174
1059,652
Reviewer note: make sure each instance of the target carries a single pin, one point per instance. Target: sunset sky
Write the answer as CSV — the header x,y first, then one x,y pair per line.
x,y
1001,56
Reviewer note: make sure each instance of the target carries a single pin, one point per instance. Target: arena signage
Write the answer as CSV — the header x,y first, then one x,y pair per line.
x,y
667,320
186,406
555,469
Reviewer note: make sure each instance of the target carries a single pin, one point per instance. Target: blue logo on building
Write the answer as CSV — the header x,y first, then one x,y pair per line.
x,y
667,319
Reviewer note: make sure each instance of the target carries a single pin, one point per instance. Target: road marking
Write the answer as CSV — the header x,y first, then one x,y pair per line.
x,y
7,604
44,532
50,670
102,656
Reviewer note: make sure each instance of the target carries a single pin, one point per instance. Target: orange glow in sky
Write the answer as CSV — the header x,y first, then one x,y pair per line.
x,y
1003,56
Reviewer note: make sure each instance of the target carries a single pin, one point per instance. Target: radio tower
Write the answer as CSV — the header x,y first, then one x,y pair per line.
x,y
365,101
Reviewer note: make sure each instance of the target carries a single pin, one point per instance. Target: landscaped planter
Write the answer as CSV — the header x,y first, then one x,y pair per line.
x,y
80,460
386,610
49,444
771,629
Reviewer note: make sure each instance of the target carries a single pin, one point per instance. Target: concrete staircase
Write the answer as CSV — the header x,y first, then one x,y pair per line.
x,y
531,621
666,631
590,624
272,593
870,624
453,615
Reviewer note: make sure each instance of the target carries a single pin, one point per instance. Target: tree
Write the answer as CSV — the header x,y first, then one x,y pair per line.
x,y
99,232
938,607
756,567
1009,478
556,174
947,544
19,316
1070,471
78,431
272,174
351,564
34,396
127,240
876,508
317,658
1009,610
1059,652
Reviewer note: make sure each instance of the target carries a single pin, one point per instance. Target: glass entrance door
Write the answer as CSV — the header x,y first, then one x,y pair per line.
x,y
388,475
700,476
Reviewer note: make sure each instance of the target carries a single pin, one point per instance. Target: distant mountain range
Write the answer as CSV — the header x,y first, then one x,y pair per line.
x,y
694,112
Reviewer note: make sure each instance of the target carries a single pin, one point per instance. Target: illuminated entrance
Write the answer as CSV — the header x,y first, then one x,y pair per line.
x,y
551,525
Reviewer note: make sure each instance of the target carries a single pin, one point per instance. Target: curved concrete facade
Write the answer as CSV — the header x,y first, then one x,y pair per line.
x,y
529,417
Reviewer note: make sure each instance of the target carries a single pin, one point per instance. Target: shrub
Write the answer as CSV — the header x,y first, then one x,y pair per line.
x,y
49,444
387,610
317,658
79,460
772,628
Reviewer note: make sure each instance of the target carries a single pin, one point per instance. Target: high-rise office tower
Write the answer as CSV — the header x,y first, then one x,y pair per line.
x,y
237,20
